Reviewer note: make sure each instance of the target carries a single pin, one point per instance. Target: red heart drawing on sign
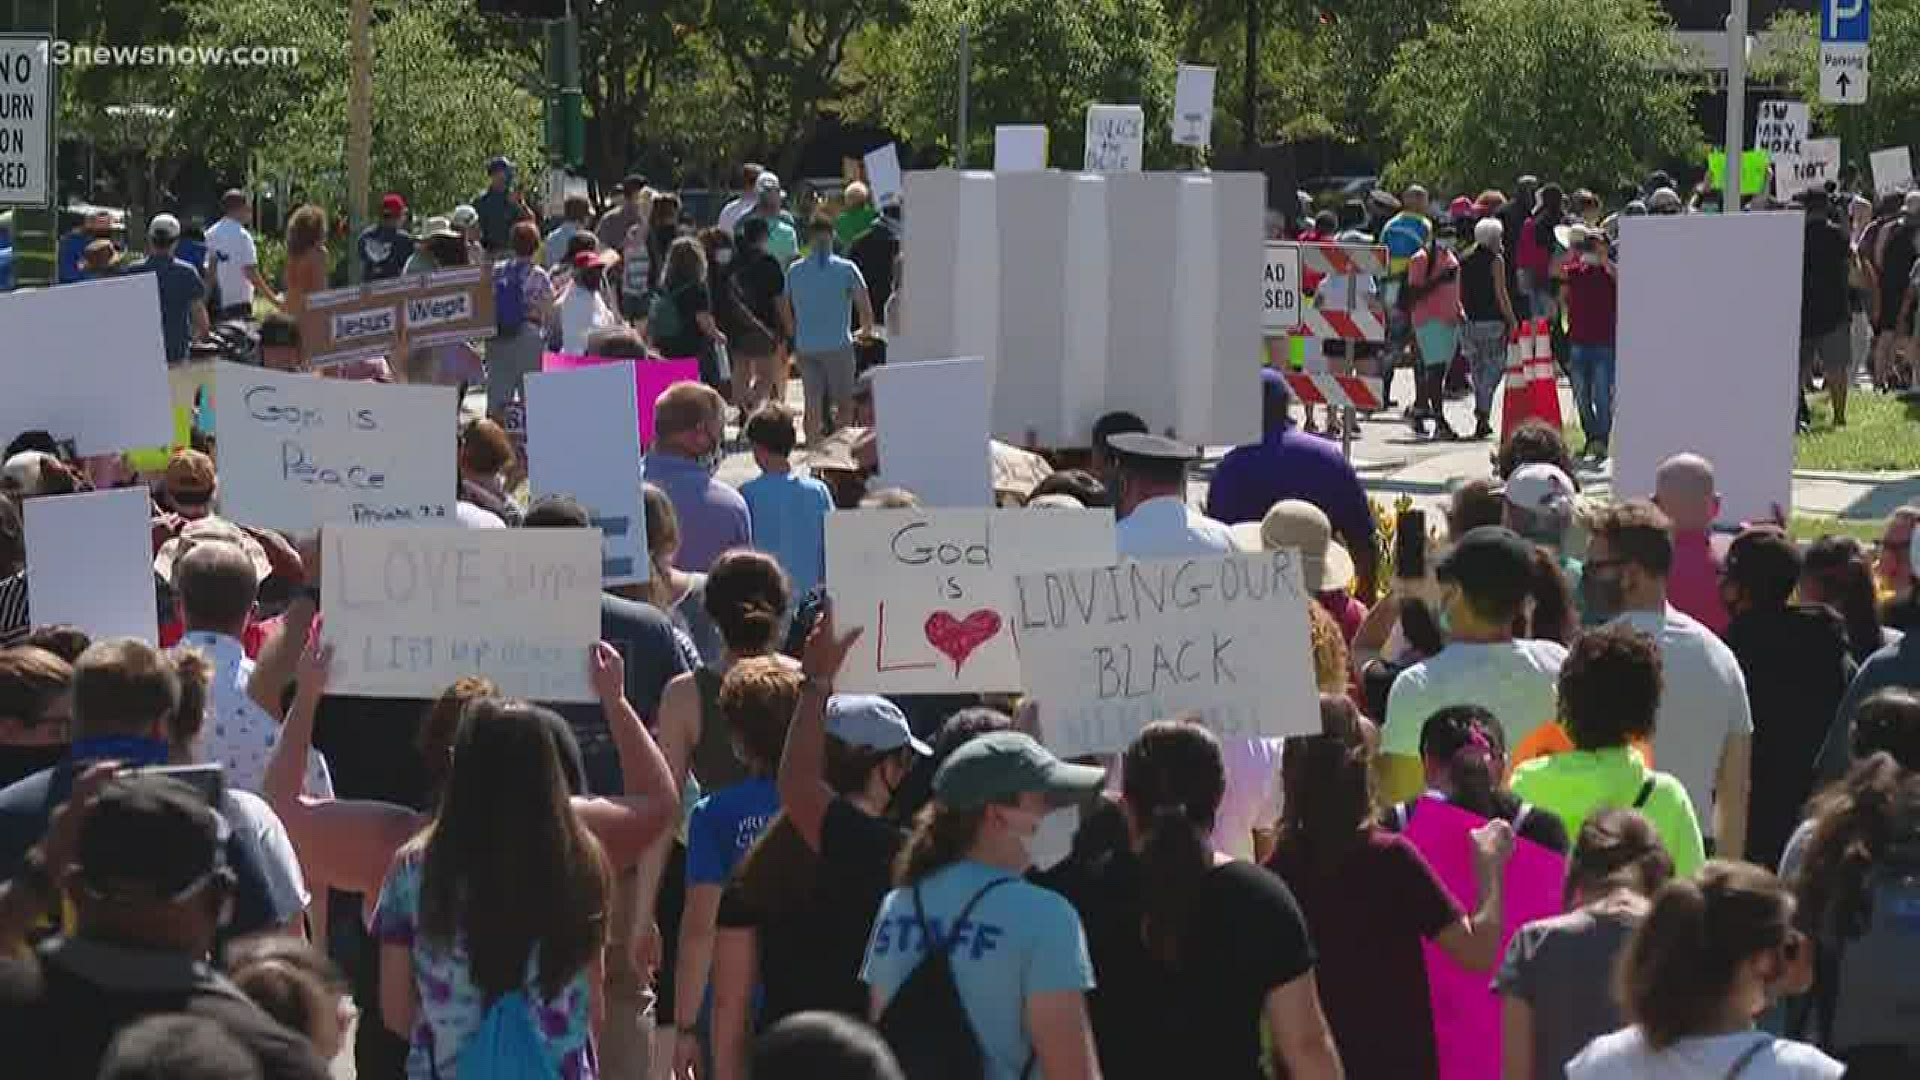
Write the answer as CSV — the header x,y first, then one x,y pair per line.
x,y
959,637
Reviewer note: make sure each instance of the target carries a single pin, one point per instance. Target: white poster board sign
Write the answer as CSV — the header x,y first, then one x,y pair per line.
x,y
1687,326
90,563
934,590
411,610
884,181
1019,148
1892,170
1116,138
86,362
299,451
1193,106
26,124
583,440
1782,128
1280,289
1106,650
933,417
1818,163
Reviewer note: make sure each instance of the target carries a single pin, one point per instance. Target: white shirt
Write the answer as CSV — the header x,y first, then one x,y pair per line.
x,y
1166,528
232,249
1703,702
1625,1055
476,517
239,734
735,209
1513,680
1252,797
581,313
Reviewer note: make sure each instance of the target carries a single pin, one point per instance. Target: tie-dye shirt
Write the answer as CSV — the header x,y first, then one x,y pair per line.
x,y
451,1007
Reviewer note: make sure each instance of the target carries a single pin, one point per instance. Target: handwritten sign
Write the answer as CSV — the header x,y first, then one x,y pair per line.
x,y
299,451
934,589
1892,170
1817,165
1466,1018
884,182
90,562
411,610
1782,128
584,430
1280,289
86,362
1116,136
1106,650
1019,148
1193,106
650,379
385,318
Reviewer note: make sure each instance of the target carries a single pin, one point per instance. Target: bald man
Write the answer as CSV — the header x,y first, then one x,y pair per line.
x,y
1685,491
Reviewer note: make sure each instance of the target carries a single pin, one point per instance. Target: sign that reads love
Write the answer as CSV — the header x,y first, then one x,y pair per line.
x,y
934,590
411,610
300,451
1106,650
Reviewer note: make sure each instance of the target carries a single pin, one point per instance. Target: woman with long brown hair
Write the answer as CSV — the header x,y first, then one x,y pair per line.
x,y
1370,899
307,257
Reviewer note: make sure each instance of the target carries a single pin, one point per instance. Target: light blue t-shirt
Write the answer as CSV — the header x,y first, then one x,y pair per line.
x,y
821,291
789,516
724,825
1020,940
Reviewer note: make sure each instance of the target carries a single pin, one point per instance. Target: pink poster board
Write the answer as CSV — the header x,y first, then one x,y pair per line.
x,y
650,379
1466,1012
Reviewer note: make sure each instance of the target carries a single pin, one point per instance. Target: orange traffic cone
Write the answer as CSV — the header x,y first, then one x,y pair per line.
x,y
1543,387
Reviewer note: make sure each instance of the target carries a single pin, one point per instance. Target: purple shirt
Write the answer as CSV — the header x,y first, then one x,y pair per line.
x,y
713,516
1291,464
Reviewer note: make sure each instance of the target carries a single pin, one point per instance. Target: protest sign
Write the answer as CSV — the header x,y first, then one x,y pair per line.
x,y
584,430
1466,1018
299,451
1280,289
411,610
86,362
1710,298
1116,137
884,181
1753,172
385,318
1106,650
933,417
1049,385
650,379
1892,170
934,590
445,306
1019,148
1782,128
90,563
1193,106
1818,163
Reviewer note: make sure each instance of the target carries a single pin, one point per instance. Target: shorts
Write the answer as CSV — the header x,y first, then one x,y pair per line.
x,y
1438,341
828,379
1833,351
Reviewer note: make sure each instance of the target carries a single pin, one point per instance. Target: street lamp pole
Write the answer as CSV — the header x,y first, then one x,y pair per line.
x,y
1733,181
966,91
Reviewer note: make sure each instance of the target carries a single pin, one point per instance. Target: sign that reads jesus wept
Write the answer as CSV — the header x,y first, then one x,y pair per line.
x,y
934,590
1106,650
411,610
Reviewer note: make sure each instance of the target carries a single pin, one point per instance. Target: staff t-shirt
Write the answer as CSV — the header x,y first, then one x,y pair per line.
x,y
1513,680
724,825
1244,938
1021,940
1625,1055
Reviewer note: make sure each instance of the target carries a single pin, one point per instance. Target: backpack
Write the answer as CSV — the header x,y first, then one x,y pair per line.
x,y
926,1023
1872,998
663,316
507,1045
510,295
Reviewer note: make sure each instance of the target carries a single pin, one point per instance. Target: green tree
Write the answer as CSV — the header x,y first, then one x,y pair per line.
x,y
1792,55
1033,61
1587,93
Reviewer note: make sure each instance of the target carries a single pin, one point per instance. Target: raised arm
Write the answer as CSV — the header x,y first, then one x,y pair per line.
x,y
628,825
804,793
1474,942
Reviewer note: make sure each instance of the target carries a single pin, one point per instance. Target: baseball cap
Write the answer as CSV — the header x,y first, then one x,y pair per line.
x,y
392,205
1491,558
871,721
164,228
1004,765
499,164
1296,523
768,182
190,477
587,260
210,530
464,217
1540,487
147,839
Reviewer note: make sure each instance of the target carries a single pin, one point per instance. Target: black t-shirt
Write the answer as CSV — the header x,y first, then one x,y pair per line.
x,y
645,639
873,253
760,281
1245,937
810,955
1477,291
692,300
1823,278
60,1010
384,251
1539,826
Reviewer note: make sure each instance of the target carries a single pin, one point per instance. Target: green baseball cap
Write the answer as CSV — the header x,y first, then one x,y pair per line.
x,y
1003,765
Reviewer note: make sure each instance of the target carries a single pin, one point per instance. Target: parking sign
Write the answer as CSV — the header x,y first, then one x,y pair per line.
x,y
1844,20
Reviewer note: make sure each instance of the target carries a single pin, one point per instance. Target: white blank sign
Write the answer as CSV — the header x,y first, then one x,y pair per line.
x,y
90,563
86,362
583,440
1710,313
933,419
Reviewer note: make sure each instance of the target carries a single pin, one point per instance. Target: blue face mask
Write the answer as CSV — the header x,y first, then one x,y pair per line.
x,y
132,750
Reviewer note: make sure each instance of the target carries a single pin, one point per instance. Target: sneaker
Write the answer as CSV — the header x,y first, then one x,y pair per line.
x,y
1420,425
1482,429
1599,450
1444,431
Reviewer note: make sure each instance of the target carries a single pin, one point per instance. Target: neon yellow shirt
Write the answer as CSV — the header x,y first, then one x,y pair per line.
x,y
1577,783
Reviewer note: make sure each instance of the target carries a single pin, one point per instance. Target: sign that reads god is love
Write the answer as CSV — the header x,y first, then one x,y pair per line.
x,y
934,590
300,451
411,610
1107,650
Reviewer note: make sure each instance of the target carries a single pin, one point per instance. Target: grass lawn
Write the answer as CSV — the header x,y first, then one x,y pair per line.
x,y
1882,434
1807,528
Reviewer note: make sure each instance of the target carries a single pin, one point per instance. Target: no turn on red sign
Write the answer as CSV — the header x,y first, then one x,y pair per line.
x,y
26,121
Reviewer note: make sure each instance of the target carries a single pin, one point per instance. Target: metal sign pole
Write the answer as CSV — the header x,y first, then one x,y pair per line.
x,y
1347,420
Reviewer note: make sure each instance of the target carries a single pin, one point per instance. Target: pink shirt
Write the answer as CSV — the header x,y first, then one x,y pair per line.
x,y
1443,303
1693,586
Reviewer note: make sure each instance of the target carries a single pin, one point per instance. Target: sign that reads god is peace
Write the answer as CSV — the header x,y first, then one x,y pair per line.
x,y
934,590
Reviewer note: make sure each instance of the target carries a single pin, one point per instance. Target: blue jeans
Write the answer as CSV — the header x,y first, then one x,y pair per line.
x,y
1591,367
